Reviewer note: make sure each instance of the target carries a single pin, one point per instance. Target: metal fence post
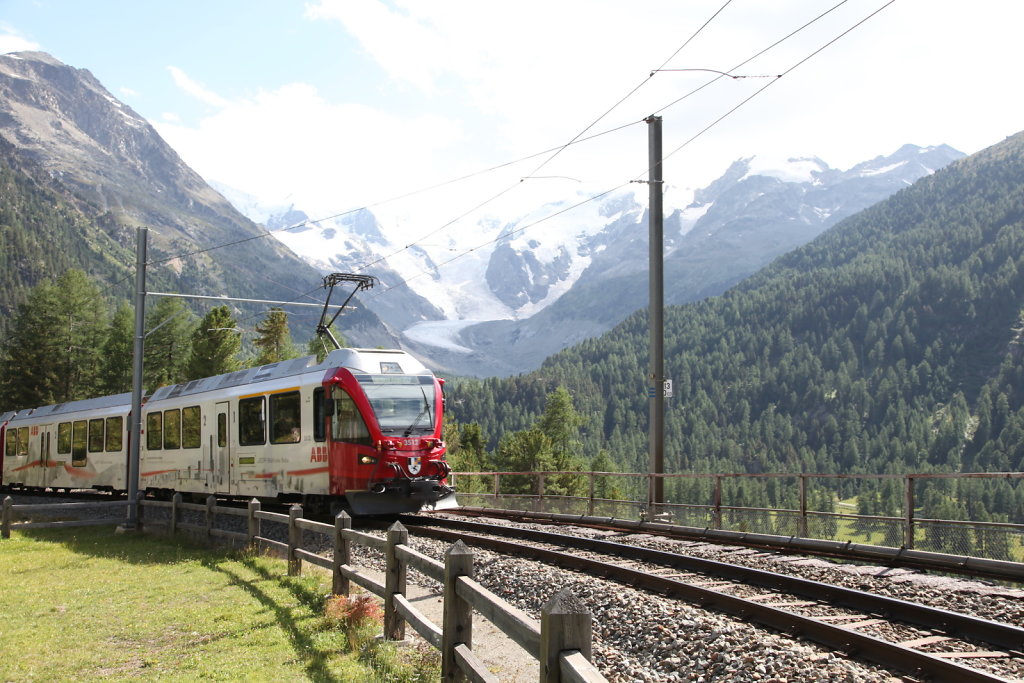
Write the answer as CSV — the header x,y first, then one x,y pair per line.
x,y
175,502
590,504
8,513
565,624
458,613
394,582
253,522
497,487
908,513
802,527
342,554
716,513
294,540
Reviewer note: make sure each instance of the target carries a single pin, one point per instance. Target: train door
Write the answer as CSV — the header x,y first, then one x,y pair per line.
x,y
46,459
35,473
221,451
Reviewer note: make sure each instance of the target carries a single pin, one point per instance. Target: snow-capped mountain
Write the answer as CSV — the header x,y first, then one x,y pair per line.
x,y
498,296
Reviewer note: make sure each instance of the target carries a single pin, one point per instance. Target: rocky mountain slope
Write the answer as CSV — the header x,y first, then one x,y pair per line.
x,y
70,141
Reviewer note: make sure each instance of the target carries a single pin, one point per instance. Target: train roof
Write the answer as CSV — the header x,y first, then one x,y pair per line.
x,y
371,361
99,403
4,417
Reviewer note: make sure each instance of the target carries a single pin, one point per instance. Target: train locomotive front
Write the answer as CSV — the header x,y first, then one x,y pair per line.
x,y
385,454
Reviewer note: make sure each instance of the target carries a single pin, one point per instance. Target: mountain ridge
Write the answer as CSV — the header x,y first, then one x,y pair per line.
x,y
551,285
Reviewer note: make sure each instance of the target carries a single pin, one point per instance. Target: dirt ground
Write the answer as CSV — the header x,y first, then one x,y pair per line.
x,y
503,657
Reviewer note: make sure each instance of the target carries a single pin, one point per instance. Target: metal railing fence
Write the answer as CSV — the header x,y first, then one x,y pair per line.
x,y
893,510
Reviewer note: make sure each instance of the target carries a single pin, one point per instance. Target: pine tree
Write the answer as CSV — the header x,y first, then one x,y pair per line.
x,y
274,343
216,344
320,346
118,353
561,424
525,451
52,354
168,343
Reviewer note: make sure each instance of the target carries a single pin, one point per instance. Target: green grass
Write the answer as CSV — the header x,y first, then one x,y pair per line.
x,y
89,604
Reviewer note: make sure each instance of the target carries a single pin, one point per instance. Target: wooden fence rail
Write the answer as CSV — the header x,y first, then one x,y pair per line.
x,y
561,641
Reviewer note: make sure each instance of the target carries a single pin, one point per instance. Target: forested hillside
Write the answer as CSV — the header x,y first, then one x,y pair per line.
x,y
889,344
42,234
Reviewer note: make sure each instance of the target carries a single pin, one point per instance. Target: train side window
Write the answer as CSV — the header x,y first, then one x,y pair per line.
x,y
79,441
190,427
63,438
348,424
285,416
222,429
319,415
252,421
154,431
16,443
96,435
172,429
115,434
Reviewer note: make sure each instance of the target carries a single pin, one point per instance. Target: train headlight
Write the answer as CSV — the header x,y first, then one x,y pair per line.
x,y
367,460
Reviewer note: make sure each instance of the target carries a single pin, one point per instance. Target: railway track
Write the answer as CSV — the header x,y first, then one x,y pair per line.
x,y
922,642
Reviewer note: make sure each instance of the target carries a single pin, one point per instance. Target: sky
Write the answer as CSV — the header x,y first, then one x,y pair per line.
x,y
431,110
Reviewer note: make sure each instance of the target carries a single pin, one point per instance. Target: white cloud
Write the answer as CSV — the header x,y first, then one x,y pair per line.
x,y
470,85
10,41
195,89
325,156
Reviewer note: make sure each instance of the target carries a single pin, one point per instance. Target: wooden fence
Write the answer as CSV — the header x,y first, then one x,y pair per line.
x,y
561,641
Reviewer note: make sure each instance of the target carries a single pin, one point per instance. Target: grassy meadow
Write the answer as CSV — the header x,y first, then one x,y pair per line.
x,y
89,604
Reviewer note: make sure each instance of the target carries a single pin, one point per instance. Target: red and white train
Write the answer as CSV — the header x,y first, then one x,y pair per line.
x,y
360,431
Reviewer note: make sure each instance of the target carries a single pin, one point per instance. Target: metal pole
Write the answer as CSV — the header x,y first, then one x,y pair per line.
x,y
142,235
656,305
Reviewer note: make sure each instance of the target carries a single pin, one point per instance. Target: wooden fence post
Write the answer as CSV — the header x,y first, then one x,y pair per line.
x,y
8,514
253,526
139,510
294,541
458,613
211,512
175,502
394,582
565,624
342,554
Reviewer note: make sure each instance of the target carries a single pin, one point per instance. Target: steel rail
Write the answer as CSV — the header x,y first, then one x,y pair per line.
x,y
853,643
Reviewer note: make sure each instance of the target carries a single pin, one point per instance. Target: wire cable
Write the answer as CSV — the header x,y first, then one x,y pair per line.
x,y
577,139
556,151
687,142
634,90
776,80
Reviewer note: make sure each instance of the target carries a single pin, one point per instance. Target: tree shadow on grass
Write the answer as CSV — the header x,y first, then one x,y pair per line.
x,y
315,660
134,547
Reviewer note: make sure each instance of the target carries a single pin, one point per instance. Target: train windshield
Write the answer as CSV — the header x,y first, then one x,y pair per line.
x,y
402,404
